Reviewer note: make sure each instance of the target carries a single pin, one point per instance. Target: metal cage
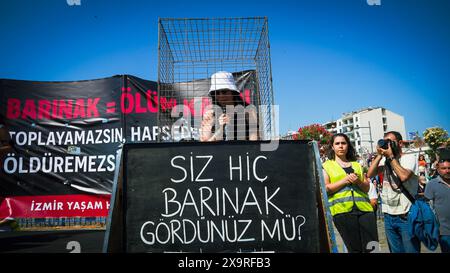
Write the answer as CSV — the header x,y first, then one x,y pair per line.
x,y
190,50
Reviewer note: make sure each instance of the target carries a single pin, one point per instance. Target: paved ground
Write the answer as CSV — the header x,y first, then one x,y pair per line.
x,y
55,241
384,248
91,241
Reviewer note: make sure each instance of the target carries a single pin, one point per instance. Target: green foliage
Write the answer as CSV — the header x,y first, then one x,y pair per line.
x,y
435,137
431,155
314,132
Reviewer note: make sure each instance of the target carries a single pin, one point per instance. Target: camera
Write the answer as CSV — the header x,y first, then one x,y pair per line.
x,y
384,144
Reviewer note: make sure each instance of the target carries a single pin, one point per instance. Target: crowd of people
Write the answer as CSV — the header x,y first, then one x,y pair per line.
x,y
389,187
396,180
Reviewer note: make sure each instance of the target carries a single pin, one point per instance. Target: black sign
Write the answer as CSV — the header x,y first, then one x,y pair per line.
x,y
54,241
220,197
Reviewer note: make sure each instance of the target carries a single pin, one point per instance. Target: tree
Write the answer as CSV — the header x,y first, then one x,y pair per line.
x,y
314,132
435,137
418,142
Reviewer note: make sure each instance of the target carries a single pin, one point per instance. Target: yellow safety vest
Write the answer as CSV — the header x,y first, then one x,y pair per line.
x,y
343,200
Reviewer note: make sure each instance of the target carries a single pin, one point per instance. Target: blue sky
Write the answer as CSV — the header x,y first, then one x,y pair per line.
x,y
328,56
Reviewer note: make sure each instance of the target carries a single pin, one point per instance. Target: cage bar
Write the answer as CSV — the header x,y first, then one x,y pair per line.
x,y
190,50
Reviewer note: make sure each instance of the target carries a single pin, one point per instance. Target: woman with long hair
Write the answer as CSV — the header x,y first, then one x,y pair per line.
x,y
422,165
242,120
347,188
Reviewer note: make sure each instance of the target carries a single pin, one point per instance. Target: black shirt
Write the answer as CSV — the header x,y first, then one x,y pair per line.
x,y
348,170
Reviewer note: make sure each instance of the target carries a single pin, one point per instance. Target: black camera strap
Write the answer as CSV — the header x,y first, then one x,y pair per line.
x,y
398,183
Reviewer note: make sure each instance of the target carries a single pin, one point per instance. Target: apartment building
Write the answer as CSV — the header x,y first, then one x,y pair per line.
x,y
364,127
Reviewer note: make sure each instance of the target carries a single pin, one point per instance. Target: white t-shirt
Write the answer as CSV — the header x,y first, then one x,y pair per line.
x,y
394,202
372,191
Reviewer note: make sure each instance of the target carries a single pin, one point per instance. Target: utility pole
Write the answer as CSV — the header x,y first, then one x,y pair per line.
x,y
370,134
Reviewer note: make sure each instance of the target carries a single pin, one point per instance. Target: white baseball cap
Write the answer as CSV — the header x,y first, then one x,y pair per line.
x,y
222,80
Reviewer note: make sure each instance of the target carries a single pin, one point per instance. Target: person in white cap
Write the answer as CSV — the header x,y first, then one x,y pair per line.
x,y
224,93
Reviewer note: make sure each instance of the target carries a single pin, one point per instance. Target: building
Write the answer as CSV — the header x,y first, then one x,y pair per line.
x,y
366,126
289,136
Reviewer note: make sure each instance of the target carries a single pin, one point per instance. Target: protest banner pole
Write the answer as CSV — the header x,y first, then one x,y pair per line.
x,y
328,240
113,241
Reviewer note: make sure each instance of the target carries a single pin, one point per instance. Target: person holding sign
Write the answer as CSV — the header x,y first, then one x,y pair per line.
x,y
347,189
400,185
230,118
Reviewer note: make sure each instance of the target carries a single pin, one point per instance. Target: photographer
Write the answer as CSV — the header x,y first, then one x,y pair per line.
x,y
398,179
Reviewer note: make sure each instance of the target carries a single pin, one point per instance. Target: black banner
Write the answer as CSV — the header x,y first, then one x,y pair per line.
x,y
66,136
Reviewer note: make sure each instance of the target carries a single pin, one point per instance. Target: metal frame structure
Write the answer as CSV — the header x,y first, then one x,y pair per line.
x,y
190,50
